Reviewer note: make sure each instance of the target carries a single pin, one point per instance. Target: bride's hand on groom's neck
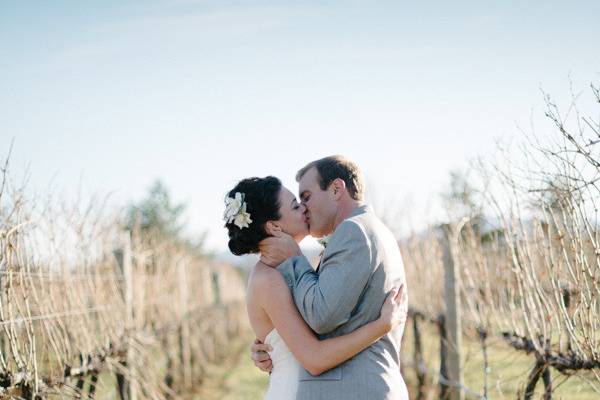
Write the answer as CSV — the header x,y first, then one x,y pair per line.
x,y
276,249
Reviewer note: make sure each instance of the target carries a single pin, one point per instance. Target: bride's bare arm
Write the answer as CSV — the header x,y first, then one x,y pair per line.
x,y
318,356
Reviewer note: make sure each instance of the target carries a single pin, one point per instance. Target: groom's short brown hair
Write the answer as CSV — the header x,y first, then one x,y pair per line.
x,y
333,167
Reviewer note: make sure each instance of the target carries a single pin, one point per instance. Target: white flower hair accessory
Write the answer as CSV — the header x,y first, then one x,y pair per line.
x,y
324,240
235,211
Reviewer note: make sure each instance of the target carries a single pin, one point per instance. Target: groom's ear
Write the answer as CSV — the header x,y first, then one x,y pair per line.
x,y
338,186
271,227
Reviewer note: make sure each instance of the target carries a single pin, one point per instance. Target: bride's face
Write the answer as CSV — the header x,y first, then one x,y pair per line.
x,y
293,215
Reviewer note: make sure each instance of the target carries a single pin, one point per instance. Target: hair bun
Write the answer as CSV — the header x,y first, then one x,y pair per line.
x,y
239,246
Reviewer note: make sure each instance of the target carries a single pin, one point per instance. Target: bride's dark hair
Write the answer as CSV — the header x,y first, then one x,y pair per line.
x,y
262,203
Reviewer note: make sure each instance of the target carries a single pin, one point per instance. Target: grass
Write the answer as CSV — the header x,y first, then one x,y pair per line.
x,y
507,373
237,379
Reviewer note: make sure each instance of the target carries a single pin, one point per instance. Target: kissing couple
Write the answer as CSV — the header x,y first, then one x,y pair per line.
x,y
333,332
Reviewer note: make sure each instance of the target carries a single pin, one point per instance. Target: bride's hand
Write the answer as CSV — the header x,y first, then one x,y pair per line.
x,y
276,249
395,309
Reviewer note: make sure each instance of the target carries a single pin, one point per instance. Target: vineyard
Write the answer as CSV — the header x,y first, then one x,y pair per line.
x,y
505,299
504,296
90,310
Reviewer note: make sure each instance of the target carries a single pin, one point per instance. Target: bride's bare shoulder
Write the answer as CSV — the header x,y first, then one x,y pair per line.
x,y
266,278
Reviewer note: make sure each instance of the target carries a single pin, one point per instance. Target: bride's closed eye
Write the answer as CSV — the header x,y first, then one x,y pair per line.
x,y
295,204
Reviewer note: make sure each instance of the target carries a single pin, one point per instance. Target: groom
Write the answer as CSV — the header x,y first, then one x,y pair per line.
x,y
359,266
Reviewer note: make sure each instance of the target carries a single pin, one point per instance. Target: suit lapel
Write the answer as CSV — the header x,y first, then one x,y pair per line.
x,y
320,260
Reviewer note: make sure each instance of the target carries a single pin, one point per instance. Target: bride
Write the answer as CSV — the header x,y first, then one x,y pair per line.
x,y
257,208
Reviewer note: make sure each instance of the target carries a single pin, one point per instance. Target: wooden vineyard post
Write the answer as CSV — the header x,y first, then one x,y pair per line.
x,y
184,334
127,390
452,322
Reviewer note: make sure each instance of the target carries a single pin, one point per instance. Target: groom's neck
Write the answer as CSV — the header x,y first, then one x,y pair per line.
x,y
344,210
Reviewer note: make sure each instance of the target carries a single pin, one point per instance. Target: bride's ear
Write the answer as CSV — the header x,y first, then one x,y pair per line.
x,y
272,227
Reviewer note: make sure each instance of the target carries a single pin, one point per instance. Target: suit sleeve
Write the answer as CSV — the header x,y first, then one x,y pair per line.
x,y
326,299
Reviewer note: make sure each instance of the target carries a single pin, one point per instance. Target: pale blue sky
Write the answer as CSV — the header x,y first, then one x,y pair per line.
x,y
201,94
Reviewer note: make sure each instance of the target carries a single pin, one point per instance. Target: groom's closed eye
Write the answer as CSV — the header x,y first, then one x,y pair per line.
x,y
304,197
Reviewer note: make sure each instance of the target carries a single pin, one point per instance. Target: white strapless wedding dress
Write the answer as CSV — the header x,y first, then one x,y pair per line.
x,y
283,382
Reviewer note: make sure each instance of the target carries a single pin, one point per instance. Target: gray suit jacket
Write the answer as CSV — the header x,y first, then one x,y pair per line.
x,y
359,266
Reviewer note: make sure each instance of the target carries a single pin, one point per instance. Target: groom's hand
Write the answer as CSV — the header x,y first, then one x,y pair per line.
x,y
260,356
276,249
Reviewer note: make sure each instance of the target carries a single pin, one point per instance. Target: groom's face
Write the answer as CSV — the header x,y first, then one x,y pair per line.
x,y
320,205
